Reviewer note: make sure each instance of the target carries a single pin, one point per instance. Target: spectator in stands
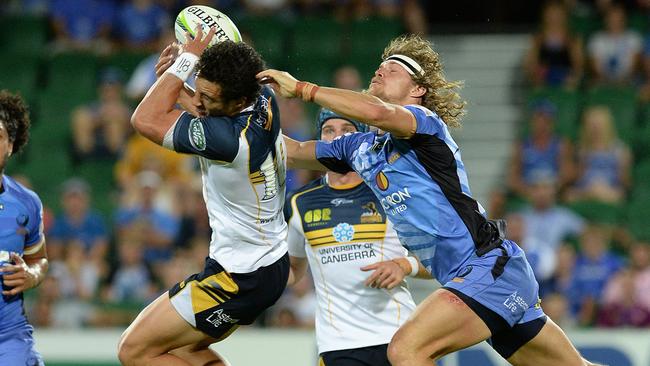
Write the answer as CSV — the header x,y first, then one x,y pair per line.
x,y
194,221
132,280
595,266
556,306
300,301
79,222
143,34
541,257
626,299
295,125
100,129
82,24
78,280
562,278
621,307
144,75
555,56
542,152
157,227
347,77
545,221
603,160
615,52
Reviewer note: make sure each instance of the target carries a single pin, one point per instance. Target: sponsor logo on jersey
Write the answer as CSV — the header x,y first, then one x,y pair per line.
x,y
341,201
514,301
343,232
318,216
218,317
394,202
371,214
393,158
197,134
382,181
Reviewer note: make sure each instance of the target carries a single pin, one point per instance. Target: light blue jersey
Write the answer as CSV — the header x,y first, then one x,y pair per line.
x,y
21,229
422,184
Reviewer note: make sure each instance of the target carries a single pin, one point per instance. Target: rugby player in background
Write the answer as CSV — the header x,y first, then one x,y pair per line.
x,y
338,227
23,258
234,129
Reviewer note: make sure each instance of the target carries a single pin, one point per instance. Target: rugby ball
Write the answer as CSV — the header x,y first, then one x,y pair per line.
x,y
192,16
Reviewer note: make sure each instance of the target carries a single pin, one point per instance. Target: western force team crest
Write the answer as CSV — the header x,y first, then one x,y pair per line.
x,y
382,181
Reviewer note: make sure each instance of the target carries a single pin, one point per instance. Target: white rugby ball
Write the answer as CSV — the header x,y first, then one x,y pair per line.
x,y
192,16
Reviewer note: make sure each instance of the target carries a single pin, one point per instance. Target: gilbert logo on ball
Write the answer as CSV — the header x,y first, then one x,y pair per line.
x,y
189,18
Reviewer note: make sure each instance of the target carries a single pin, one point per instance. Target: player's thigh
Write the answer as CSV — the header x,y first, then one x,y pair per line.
x,y
159,328
441,324
550,347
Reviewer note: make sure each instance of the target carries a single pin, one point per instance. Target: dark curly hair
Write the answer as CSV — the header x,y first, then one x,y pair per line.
x,y
14,115
233,66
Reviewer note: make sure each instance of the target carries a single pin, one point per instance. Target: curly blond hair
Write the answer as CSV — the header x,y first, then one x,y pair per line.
x,y
442,96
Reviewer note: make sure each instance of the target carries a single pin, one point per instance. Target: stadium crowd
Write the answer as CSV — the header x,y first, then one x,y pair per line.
x,y
576,195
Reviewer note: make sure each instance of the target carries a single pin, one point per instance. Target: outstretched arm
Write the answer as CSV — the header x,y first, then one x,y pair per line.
x,y
302,154
388,117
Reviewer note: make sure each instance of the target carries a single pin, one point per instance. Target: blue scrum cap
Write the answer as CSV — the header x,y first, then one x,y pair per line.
x,y
326,114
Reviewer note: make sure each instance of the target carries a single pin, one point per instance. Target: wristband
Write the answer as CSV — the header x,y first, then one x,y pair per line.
x,y
184,65
415,266
307,91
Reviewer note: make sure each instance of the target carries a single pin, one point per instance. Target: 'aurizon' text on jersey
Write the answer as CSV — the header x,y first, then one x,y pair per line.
x,y
340,230
243,165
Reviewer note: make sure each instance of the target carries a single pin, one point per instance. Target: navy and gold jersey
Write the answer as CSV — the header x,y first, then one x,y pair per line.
x,y
339,230
243,166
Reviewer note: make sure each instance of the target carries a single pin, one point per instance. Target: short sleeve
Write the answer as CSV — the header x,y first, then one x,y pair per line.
x,y
337,155
428,123
296,235
34,224
214,138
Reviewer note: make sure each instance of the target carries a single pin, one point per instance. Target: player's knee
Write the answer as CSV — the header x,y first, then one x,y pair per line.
x,y
399,350
127,351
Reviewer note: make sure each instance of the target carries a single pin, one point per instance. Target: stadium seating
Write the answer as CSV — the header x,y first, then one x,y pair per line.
x,y
23,34
269,36
20,76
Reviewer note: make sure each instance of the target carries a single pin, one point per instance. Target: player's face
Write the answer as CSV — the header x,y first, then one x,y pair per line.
x,y
391,83
335,127
208,101
6,146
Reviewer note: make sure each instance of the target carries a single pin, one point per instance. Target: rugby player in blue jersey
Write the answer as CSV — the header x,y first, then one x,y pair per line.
x,y
23,259
415,169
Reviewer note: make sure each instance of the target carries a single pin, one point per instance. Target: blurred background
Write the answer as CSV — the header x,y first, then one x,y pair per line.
x,y
556,140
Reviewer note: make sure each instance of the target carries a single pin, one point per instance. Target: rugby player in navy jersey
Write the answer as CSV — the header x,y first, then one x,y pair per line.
x,y
489,291
23,258
338,227
234,130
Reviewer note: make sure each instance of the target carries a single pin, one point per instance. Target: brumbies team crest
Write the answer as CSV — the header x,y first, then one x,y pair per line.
x,y
382,181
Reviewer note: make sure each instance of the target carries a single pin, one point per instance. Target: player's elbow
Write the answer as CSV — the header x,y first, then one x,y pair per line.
x,y
143,122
